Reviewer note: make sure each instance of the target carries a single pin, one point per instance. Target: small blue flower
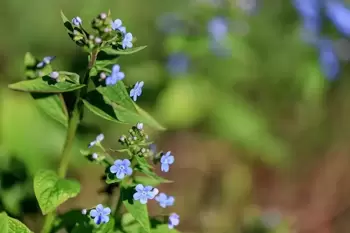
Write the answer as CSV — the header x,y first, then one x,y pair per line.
x,y
144,193
100,214
339,15
127,41
328,59
308,8
77,21
54,75
166,160
165,200
117,25
139,126
174,220
45,61
137,90
178,63
98,139
218,28
121,168
116,76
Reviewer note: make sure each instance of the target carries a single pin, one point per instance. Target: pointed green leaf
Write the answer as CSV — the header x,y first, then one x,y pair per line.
x,y
53,106
135,208
11,225
45,85
119,110
145,180
71,76
112,51
66,22
51,191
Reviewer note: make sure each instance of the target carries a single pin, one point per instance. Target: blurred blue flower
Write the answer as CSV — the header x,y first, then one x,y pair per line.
x,y
100,214
308,8
166,160
170,23
339,14
115,76
121,168
127,41
248,6
117,25
98,139
76,21
45,61
144,193
174,220
328,59
165,200
137,90
178,63
218,28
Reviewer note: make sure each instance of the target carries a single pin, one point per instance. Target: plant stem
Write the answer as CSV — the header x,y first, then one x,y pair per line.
x,y
73,123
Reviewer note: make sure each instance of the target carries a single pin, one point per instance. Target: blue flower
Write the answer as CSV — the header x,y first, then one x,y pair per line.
x,y
116,76
98,139
121,168
164,200
166,160
144,193
45,61
117,25
218,28
328,59
54,75
100,214
178,63
77,21
308,8
137,90
127,41
339,15
173,221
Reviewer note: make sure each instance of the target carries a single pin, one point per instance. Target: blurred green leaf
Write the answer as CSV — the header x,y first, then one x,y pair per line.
x,y
112,51
51,191
135,208
11,225
53,106
68,25
44,85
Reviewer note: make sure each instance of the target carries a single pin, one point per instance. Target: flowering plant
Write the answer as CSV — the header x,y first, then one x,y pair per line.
x,y
102,91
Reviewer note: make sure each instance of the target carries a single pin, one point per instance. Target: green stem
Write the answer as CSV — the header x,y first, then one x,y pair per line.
x,y
73,123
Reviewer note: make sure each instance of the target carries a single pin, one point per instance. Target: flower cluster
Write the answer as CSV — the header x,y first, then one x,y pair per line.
x,y
310,12
137,146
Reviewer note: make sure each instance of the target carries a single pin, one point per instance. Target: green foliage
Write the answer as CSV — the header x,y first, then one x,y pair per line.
x,y
51,191
11,225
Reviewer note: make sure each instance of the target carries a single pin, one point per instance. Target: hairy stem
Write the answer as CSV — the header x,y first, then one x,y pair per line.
x,y
73,123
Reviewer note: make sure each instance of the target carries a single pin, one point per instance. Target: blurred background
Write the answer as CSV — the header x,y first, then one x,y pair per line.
x,y
254,94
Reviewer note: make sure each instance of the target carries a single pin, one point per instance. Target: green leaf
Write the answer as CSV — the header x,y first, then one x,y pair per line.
x,y
66,22
119,110
112,51
44,85
53,106
148,172
145,180
29,60
51,191
11,225
75,78
135,208
105,228
163,228
70,219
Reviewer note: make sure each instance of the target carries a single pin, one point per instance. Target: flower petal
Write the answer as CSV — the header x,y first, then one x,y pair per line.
x,y
170,159
120,174
139,188
137,196
106,211
104,219
164,167
93,213
99,208
143,200
126,162
114,169
128,171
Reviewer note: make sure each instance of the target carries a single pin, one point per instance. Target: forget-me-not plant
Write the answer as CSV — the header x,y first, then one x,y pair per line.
x,y
174,220
111,102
